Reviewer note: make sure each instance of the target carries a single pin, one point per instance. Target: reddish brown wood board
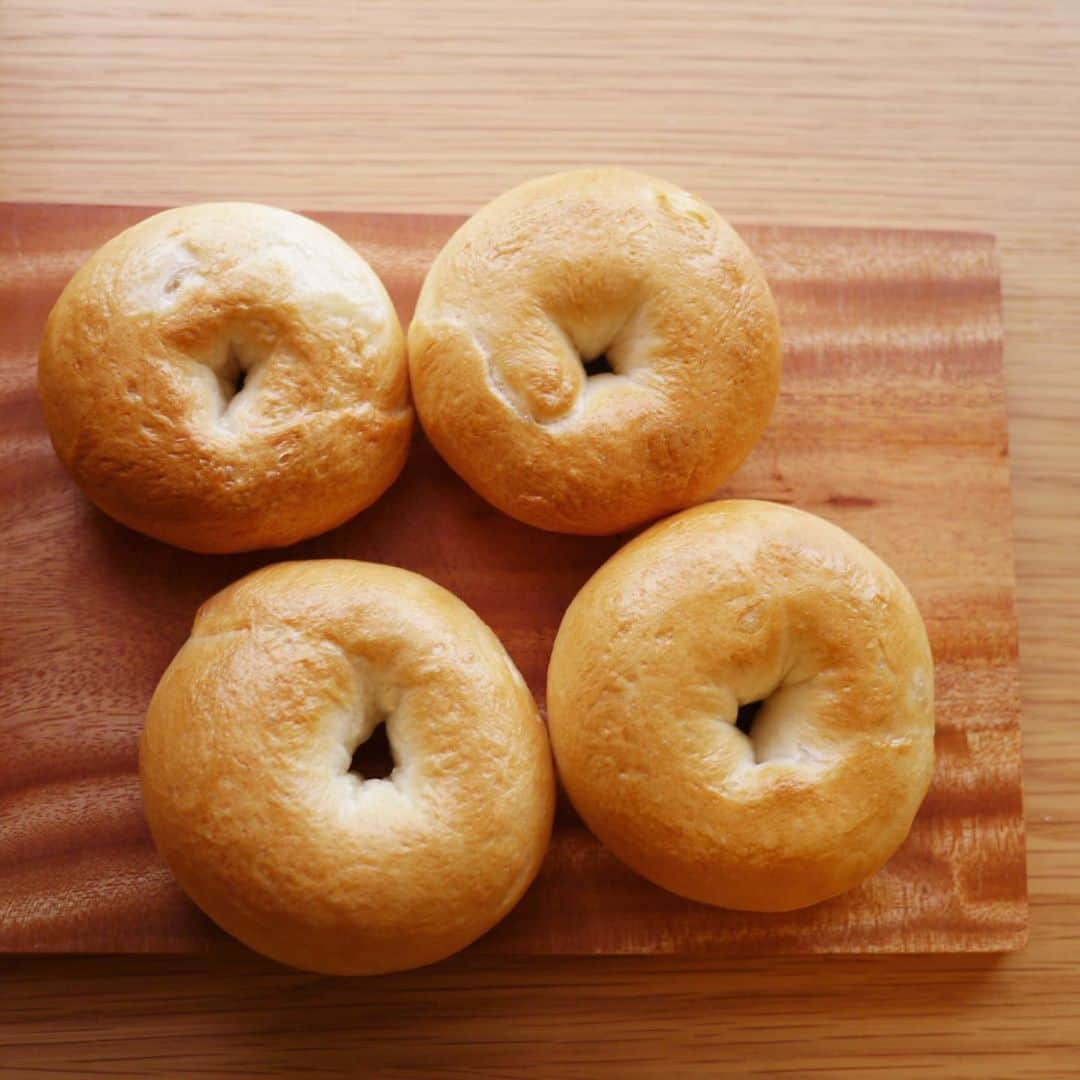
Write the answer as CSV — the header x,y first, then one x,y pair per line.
x,y
891,422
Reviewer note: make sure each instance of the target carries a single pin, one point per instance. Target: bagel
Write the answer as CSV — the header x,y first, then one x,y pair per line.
x,y
225,377
245,768
587,269
713,610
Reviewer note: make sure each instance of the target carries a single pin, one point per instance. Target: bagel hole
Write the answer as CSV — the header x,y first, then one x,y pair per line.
x,y
374,759
234,374
599,365
745,717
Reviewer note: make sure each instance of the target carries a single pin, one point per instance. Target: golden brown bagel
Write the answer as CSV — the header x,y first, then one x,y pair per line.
x,y
245,768
720,606
145,353
558,272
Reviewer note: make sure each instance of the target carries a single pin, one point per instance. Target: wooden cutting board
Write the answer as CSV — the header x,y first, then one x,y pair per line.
x,y
891,422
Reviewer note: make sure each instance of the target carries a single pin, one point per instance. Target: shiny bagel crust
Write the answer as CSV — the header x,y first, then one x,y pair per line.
x,y
556,273
140,373
724,605
245,768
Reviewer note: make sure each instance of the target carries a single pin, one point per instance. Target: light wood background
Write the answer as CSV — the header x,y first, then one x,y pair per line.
x,y
955,114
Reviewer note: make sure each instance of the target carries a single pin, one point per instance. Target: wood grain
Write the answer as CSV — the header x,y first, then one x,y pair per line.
x,y
927,113
891,421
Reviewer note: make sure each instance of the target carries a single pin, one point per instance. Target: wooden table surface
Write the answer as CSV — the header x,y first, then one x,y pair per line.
x,y
939,113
